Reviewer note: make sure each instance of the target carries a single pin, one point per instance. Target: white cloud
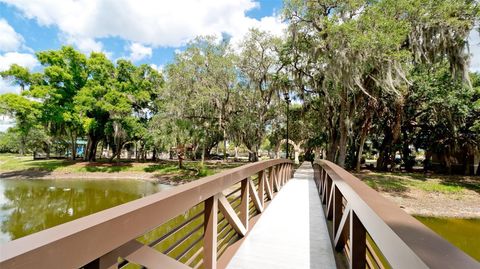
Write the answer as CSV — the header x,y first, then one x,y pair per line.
x,y
159,68
10,40
139,52
6,87
271,24
84,44
5,123
149,22
474,41
23,59
6,60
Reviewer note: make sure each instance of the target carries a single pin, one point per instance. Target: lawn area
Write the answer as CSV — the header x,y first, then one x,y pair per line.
x,y
11,163
402,182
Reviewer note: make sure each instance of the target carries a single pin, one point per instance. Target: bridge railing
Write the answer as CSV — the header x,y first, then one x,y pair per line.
x,y
195,225
373,232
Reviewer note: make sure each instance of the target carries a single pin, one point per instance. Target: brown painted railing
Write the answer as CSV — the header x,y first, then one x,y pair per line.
x,y
203,223
375,233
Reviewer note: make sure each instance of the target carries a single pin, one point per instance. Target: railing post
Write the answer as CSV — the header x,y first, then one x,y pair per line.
x,y
280,175
337,209
244,204
331,187
269,183
276,178
358,243
289,172
210,233
107,261
261,187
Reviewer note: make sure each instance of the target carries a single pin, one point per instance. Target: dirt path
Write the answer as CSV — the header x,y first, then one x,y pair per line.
x,y
431,196
434,204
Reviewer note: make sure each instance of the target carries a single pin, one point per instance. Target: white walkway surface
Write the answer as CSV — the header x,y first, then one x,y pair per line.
x,y
291,233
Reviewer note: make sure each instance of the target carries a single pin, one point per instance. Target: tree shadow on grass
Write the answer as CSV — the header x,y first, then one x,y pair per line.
x,y
26,174
162,167
469,183
385,183
108,167
460,181
46,165
34,168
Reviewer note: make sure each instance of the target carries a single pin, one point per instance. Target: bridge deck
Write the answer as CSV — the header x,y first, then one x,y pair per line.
x,y
291,233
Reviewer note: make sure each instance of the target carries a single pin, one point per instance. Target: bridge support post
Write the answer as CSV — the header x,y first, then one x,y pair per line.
x,y
261,187
358,245
337,209
245,200
210,233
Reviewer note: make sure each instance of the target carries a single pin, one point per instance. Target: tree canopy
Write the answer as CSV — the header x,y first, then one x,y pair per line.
x,y
394,73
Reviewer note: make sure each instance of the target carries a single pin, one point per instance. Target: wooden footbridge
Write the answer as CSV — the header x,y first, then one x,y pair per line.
x,y
260,215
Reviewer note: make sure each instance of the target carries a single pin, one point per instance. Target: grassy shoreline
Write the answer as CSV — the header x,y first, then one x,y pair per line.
x,y
164,171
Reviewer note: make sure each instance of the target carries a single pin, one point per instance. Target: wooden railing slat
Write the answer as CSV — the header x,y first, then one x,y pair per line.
x,y
256,200
153,259
339,241
230,215
210,232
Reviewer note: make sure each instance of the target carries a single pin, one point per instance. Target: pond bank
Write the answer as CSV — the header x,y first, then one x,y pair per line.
x,y
429,195
162,171
61,175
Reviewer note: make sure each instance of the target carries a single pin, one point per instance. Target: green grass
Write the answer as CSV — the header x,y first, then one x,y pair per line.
x,y
11,162
190,171
402,182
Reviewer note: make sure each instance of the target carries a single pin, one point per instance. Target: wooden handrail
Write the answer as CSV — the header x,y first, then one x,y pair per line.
x,y
98,240
402,240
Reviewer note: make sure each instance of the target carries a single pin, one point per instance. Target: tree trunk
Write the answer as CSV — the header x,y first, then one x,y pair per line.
x,y
116,152
342,146
73,145
363,138
203,154
94,151
224,148
22,146
47,151
384,156
332,148
236,153
86,152
224,144
358,165
91,150
252,154
392,135
154,154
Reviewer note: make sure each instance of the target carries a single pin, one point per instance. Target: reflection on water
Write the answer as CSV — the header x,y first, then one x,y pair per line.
x,y
29,206
463,233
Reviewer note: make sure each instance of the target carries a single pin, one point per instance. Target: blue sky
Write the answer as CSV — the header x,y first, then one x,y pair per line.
x,y
118,28
144,31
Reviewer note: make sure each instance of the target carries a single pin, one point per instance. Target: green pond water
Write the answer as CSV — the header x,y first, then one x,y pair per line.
x,y
29,206
463,233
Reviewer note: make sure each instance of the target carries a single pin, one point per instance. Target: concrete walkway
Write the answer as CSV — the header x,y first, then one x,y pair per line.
x,y
291,233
